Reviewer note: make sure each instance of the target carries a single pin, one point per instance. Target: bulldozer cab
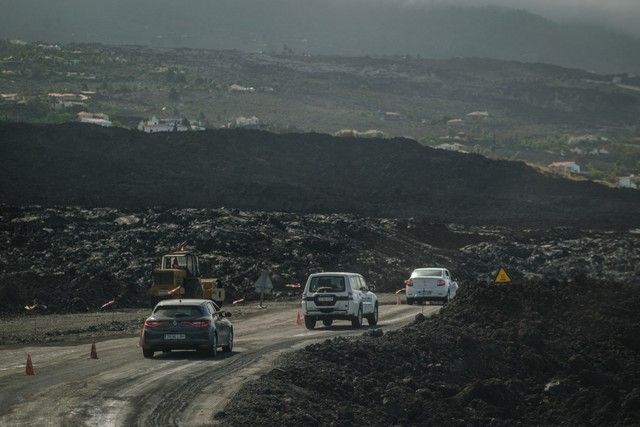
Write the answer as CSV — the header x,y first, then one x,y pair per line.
x,y
182,261
179,277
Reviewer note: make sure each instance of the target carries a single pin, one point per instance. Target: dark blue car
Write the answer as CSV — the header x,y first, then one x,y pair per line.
x,y
187,324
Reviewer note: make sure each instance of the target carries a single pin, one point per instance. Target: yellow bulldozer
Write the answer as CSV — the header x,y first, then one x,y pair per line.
x,y
179,277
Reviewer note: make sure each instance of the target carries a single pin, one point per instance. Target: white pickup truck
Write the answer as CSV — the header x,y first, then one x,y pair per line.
x,y
430,284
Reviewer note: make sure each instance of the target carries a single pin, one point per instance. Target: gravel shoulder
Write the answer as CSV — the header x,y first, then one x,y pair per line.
x,y
180,388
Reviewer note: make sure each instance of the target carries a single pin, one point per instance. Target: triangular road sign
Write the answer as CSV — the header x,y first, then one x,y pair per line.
x,y
502,276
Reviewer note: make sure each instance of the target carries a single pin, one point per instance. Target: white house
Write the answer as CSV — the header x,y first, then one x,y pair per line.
x,y
67,100
238,88
245,122
631,181
392,115
452,147
565,167
162,125
100,119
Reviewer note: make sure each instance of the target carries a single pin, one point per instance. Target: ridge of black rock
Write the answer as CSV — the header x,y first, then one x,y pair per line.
x,y
76,259
75,164
543,352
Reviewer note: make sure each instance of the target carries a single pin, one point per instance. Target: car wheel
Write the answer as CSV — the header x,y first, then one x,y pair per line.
x,y
327,322
409,301
309,322
147,353
446,299
213,350
373,318
356,322
229,347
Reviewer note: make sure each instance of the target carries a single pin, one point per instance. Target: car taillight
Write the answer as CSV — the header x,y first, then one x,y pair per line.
x,y
197,323
408,282
441,282
151,324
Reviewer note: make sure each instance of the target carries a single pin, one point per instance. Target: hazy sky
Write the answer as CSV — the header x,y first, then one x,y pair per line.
x,y
621,14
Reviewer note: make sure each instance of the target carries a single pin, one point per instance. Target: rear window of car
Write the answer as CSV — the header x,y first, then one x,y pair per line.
x,y
327,283
179,310
427,272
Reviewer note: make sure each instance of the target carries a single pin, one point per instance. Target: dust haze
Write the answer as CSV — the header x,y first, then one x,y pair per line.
x,y
620,15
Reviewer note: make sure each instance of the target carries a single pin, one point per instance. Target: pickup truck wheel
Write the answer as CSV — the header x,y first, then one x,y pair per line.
x,y
147,353
409,301
373,318
356,322
229,347
327,322
213,350
309,322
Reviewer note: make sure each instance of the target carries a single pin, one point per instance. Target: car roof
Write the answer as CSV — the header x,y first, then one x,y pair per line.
x,y
334,273
430,268
187,301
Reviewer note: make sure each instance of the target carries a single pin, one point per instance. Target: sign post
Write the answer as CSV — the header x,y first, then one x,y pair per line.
x,y
263,286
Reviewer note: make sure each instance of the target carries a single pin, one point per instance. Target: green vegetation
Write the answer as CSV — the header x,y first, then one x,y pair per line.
x,y
536,113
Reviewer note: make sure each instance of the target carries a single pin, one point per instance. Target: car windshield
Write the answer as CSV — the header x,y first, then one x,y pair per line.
x,y
179,311
327,284
427,272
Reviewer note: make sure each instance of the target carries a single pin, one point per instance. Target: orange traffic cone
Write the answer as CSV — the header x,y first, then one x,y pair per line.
x,y
298,319
29,370
94,352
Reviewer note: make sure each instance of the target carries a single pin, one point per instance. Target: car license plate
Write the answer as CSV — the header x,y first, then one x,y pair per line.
x,y
325,299
174,336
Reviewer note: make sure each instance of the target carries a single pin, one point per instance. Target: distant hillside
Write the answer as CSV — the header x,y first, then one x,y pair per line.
x,y
77,164
352,27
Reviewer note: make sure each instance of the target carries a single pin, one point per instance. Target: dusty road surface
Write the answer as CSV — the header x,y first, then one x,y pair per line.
x,y
180,388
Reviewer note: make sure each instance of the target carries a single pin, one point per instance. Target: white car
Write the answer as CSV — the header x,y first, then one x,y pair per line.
x,y
338,296
430,284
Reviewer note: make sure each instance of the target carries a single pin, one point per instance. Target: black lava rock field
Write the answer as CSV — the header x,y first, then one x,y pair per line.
x,y
76,259
84,165
542,352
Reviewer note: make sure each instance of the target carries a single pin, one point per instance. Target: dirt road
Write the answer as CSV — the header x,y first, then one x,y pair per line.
x,y
180,388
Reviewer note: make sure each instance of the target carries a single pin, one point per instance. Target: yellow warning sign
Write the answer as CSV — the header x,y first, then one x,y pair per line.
x,y
502,276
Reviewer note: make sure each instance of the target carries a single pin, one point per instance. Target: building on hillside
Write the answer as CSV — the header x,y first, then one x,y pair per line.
x,y
391,115
478,114
452,147
251,122
155,125
631,181
583,139
100,119
11,97
353,133
241,89
565,167
61,101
